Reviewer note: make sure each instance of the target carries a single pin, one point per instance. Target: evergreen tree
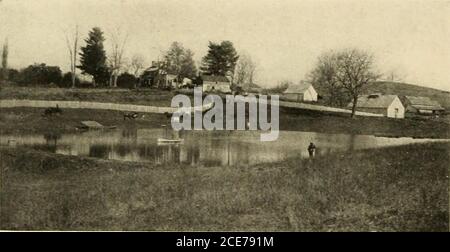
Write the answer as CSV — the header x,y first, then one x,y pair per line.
x,y
221,59
4,70
93,57
179,60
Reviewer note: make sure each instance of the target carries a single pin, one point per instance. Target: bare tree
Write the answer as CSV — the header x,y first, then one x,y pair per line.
x,y
137,64
115,59
343,75
324,78
72,46
245,70
354,72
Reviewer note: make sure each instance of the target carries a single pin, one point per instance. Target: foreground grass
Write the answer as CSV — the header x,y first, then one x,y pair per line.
x,y
396,189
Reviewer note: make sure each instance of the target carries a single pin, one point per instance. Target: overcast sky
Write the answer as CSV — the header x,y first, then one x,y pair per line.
x,y
411,38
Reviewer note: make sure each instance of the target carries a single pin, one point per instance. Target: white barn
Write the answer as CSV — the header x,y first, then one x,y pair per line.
x,y
300,93
387,105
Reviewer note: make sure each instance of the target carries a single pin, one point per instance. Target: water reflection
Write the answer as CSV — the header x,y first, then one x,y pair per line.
x,y
207,148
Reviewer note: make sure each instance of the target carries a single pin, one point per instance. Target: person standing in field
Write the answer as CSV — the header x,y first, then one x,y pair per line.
x,y
311,150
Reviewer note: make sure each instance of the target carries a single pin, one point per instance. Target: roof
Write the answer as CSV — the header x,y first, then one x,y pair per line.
x,y
420,102
215,78
297,89
151,69
374,101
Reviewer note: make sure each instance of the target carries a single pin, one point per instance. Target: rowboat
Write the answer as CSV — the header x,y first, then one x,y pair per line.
x,y
172,141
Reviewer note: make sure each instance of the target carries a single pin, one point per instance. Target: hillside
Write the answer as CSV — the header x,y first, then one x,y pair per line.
x,y
386,87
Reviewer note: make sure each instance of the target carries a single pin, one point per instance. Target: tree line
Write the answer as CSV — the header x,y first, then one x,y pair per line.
x,y
112,69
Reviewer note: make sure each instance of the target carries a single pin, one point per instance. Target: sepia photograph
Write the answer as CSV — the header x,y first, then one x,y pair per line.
x,y
225,116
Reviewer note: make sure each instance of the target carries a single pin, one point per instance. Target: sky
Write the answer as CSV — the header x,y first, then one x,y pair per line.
x,y
410,38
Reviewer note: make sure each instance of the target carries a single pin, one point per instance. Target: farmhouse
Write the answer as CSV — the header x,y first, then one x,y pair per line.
x,y
154,76
419,105
300,93
157,77
388,105
216,83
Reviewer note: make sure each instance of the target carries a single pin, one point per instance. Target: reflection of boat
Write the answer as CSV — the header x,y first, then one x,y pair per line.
x,y
93,125
169,141
170,136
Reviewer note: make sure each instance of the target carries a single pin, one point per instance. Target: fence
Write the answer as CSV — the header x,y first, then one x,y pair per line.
x,y
96,105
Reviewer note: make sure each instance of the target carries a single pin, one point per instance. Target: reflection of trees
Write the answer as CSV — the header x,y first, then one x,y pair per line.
x,y
122,150
352,142
51,140
99,151
169,153
225,152
130,133
192,154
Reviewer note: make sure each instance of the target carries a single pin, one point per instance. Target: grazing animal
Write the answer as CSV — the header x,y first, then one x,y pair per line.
x,y
130,116
51,111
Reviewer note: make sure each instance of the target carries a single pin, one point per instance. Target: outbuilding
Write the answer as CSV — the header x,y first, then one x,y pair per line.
x,y
419,105
303,92
387,105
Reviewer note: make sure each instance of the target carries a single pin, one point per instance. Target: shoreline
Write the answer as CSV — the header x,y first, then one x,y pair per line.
x,y
30,120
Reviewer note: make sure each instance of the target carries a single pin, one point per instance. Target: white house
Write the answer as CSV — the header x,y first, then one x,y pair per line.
x,y
387,105
301,92
215,83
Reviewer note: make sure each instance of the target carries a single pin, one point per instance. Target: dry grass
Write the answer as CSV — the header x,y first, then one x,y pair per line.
x,y
30,120
303,120
396,189
150,97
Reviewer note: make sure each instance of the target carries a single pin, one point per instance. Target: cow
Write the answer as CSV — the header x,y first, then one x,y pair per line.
x,y
51,111
132,115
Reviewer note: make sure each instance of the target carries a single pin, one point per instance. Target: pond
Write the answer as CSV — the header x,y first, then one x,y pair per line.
x,y
207,148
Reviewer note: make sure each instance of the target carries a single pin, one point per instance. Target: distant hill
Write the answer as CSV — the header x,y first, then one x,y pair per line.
x,y
386,87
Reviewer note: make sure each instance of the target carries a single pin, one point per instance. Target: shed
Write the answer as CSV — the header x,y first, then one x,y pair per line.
x,y
419,105
301,92
387,105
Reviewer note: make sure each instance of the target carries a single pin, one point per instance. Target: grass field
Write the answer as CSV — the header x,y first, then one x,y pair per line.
x,y
150,97
396,189
303,120
30,120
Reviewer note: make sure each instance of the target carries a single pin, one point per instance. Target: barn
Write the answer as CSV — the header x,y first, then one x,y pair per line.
x,y
300,93
418,105
387,105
